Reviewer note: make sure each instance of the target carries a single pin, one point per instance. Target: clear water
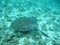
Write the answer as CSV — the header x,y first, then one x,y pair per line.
x,y
47,13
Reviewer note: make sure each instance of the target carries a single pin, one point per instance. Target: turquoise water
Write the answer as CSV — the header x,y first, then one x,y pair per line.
x,y
47,13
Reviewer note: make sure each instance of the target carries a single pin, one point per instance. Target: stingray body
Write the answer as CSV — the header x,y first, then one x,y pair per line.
x,y
24,24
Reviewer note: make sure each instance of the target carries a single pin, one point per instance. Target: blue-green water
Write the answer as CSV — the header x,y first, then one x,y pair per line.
x,y
47,13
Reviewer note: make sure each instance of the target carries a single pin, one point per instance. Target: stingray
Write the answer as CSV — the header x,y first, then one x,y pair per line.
x,y
26,25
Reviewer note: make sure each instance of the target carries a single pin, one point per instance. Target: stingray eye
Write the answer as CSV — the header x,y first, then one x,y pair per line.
x,y
24,24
